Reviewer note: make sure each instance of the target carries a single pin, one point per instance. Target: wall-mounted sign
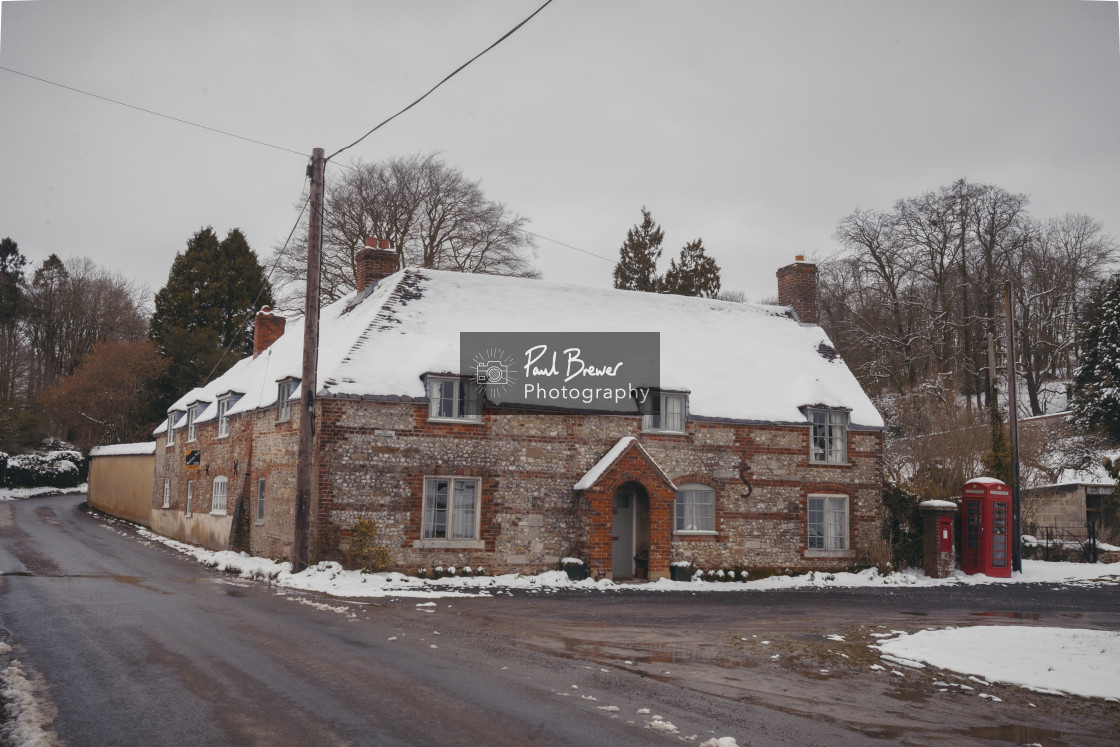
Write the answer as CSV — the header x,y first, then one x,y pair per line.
x,y
194,459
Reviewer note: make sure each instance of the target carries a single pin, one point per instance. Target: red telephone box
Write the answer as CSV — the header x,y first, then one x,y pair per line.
x,y
986,527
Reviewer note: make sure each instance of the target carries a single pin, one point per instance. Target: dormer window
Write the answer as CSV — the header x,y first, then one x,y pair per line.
x,y
223,417
454,398
284,391
172,417
192,430
828,441
663,412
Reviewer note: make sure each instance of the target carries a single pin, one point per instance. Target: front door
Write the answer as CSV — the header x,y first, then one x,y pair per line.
x,y
622,534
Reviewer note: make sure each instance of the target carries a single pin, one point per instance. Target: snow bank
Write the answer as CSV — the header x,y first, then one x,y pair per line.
x,y
330,578
28,710
1050,660
15,494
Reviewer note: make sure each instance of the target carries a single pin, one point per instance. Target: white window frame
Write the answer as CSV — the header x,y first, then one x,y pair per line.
x,y
464,404
455,519
171,428
689,498
827,519
669,405
219,506
260,499
190,497
284,389
828,436
192,429
167,492
223,416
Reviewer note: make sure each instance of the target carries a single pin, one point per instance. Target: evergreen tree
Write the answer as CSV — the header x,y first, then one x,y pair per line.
x,y
696,275
11,280
203,320
637,263
1096,384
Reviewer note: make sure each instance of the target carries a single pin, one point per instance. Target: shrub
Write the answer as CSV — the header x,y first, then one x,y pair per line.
x,y
365,552
55,468
902,526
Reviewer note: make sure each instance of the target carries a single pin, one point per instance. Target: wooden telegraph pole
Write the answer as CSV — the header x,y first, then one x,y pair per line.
x,y
1013,417
301,550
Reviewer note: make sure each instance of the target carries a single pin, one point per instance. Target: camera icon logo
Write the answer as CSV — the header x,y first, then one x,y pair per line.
x,y
492,372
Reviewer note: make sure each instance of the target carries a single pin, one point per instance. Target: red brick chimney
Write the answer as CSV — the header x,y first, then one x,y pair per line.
x,y
797,287
267,329
375,261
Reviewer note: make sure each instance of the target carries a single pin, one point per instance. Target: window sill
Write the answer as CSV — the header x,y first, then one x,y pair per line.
x,y
218,513
258,523
221,436
436,544
461,421
829,554
657,432
829,464
695,533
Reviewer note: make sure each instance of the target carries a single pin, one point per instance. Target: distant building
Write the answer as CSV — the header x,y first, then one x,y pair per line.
x,y
759,448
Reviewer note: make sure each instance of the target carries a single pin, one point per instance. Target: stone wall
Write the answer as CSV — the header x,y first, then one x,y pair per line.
x,y
372,457
257,447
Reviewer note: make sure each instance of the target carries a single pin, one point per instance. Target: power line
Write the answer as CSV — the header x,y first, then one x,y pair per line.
x,y
158,114
437,85
267,278
574,248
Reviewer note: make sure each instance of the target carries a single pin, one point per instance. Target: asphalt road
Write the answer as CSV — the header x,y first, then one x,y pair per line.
x,y
139,645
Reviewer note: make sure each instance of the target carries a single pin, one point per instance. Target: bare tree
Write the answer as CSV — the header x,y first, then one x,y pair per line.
x,y
429,211
918,290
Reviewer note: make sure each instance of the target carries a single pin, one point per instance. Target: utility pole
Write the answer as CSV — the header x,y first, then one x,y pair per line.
x,y
1013,412
301,550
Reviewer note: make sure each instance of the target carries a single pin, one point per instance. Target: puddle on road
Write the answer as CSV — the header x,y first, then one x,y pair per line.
x,y
908,695
1012,615
1015,733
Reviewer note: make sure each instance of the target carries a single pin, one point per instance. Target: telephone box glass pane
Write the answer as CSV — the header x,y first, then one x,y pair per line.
x,y
971,552
999,534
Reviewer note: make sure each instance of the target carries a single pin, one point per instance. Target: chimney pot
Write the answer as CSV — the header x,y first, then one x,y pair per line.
x,y
800,258
383,244
372,242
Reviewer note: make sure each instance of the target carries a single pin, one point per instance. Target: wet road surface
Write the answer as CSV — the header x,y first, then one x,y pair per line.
x,y
139,645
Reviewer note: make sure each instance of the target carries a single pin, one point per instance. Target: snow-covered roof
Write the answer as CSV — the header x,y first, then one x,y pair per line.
x,y
937,504
737,361
147,447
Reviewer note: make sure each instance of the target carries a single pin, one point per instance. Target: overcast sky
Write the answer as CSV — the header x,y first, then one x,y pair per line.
x,y
754,125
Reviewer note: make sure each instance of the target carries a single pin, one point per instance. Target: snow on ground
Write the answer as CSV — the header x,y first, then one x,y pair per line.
x,y
15,494
1048,660
330,578
28,710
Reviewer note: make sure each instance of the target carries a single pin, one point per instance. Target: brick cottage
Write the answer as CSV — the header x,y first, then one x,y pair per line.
x,y
758,450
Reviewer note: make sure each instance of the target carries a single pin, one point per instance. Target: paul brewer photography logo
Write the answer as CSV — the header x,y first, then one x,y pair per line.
x,y
598,371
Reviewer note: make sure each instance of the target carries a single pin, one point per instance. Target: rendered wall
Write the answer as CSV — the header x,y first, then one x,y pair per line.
x,y
122,486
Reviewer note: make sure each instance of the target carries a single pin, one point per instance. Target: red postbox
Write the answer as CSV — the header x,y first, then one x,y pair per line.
x,y
986,527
